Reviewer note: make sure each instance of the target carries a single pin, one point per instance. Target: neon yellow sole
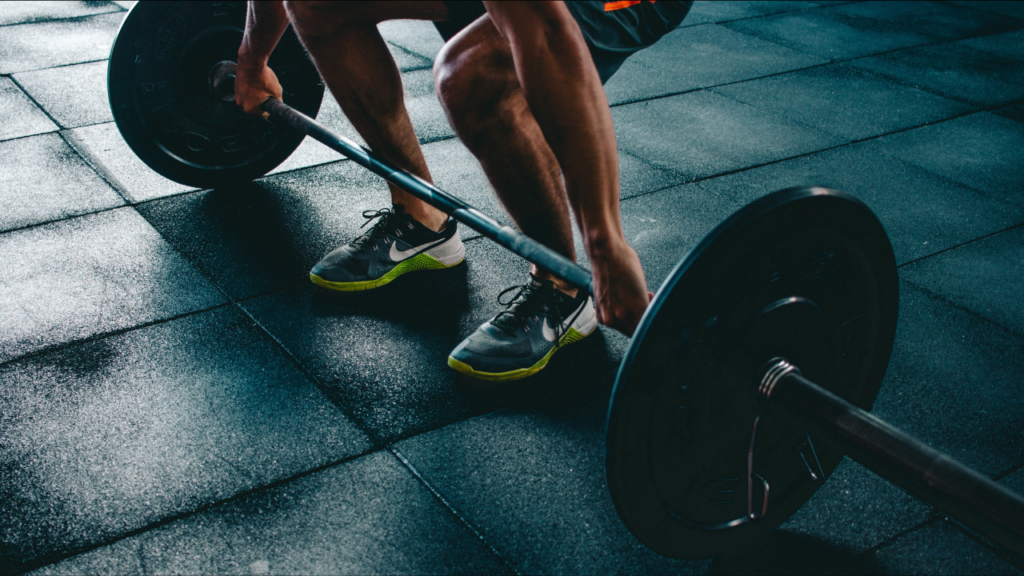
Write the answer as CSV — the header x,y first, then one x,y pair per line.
x,y
571,336
414,264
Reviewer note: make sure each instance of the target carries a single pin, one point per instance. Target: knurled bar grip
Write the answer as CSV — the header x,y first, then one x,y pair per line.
x,y
506,236
968,496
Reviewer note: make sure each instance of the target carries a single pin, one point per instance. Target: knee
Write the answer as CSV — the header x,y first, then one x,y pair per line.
x,y
474,82
318,19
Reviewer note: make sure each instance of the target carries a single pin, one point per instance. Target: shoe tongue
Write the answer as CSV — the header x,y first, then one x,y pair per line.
x,y
540,282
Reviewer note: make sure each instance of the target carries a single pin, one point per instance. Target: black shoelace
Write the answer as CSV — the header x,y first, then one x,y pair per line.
x,y
379,230
529,301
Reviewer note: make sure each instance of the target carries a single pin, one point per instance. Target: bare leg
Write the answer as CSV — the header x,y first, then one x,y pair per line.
x,y
477,84
354,61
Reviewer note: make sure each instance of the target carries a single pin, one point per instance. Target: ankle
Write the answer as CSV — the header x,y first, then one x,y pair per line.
x,y
427,216
560,285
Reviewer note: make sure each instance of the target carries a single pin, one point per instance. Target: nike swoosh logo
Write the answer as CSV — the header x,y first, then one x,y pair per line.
x,y
399,255
549,333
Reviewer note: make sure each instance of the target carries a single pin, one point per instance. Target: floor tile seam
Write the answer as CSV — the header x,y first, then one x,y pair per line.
x,y
665,188
108,334
412,52
828,62
66,18
371,435
933,518
15,138
171,518
1009,472
376,440
934,40
962,244
36,102
451,508
782,114
900,81
984,541
755,17
63,219
968,311
54,67
949,3
97,168
836,147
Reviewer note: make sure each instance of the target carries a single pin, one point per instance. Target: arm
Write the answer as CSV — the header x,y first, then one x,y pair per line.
x,y
564,93
265,23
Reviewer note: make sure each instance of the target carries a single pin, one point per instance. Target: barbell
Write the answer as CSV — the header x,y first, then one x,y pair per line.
x,y
751,373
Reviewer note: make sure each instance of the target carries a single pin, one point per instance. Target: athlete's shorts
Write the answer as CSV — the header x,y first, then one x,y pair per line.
x,y
612,30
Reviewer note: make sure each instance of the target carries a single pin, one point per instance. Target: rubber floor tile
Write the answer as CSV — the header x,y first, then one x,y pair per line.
x,y
44,179
829,34
265,236
417,36
105,438
916,553
663,227
368,516
942,21
926,383
700,56
983,151
107,151
73,95
89,275
382,354
712,11
983,276
1010,45
533,484
1006,7
922,213
704,134
954,71
844,102
57,43
1015,112
24,12
21,116
854,511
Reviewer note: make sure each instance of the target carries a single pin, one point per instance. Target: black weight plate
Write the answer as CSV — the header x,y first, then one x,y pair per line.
x,y
158,83
807,274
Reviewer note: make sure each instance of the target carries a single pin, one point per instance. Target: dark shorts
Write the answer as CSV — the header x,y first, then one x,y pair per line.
x,y
612,30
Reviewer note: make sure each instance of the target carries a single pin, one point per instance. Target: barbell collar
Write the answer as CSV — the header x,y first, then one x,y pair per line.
x,y
922,471
513,240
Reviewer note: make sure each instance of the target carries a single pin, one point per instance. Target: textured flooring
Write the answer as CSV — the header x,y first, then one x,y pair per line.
x,y
176,397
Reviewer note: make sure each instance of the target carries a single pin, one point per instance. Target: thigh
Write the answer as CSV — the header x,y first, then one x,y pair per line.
x,y
372,12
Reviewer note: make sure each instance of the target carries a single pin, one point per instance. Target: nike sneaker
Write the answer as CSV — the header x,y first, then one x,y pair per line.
x,y
396,244
538,320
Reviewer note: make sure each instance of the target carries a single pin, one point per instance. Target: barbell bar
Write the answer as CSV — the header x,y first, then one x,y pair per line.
x,y
749,376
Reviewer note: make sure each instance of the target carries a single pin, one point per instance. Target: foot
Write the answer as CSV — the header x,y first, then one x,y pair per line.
x,y
520,341
395,245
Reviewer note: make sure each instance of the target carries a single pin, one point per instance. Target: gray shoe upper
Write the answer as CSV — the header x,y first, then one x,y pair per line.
x,y
393,238
525,332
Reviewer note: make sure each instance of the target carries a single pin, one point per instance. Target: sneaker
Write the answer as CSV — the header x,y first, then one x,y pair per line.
x,y
537,321
395,245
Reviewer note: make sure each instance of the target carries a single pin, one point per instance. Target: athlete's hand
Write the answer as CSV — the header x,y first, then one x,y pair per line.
x,y
254,83
620,289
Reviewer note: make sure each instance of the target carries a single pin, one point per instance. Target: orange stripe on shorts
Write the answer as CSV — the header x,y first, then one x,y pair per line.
x,y
609,6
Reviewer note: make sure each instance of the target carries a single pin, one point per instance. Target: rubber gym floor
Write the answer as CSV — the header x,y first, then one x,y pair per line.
x,y
176,397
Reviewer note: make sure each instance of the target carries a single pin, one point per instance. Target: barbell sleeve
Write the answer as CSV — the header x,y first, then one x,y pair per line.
x,y
506,236
922,471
